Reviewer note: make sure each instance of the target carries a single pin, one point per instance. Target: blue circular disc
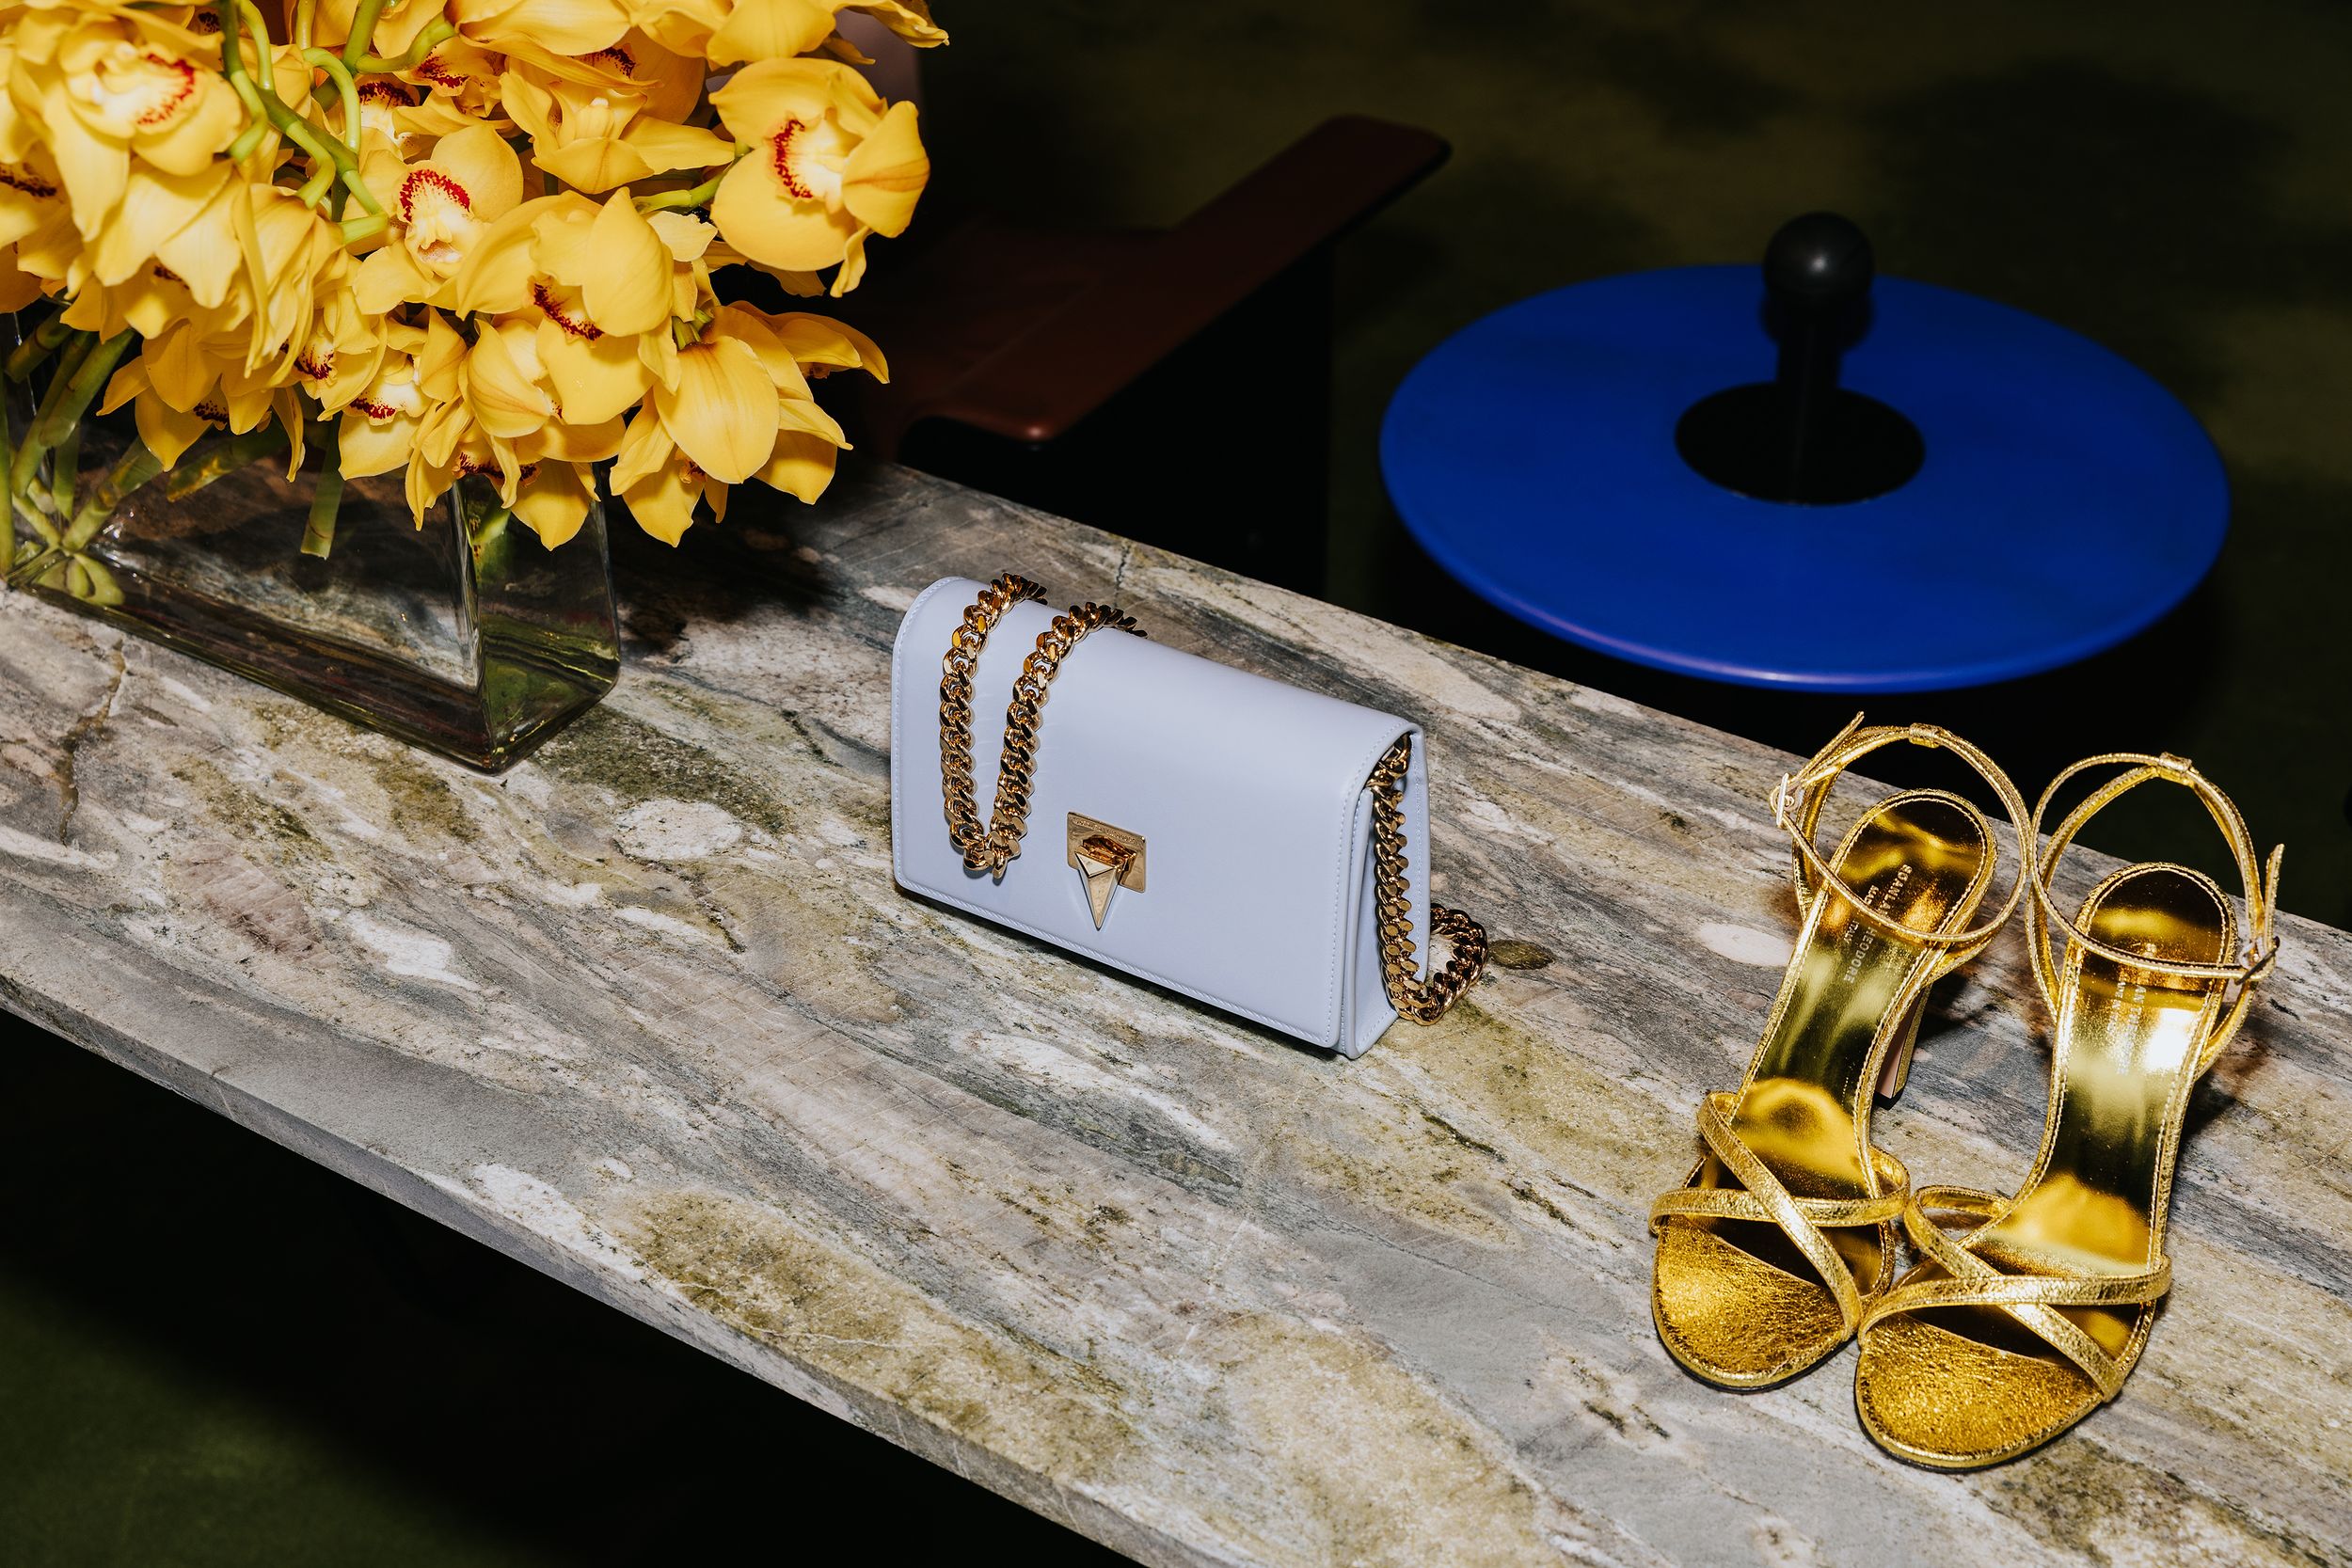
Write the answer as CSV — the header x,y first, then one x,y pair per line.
x,y
2066,503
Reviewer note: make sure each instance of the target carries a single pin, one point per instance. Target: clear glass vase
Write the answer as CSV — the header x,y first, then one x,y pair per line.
x,y
467,636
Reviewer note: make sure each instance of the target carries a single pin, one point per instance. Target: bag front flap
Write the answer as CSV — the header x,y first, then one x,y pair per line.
x,y
1244,791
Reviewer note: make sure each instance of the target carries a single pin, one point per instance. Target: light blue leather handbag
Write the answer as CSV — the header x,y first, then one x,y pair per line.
x,y
1246,843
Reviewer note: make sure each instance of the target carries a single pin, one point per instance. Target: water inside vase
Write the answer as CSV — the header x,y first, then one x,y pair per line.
x,y
466,635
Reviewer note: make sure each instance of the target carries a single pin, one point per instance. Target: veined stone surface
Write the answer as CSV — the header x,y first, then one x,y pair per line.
x,y
648,1013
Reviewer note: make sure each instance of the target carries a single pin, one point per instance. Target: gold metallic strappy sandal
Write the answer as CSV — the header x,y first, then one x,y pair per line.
x,y
1780,1241
2012,1332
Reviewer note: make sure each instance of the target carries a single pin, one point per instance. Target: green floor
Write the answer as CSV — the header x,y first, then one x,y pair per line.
x,y
211,1353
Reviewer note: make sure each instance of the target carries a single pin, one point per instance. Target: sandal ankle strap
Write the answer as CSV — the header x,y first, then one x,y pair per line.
x,y
1797,800
2261,880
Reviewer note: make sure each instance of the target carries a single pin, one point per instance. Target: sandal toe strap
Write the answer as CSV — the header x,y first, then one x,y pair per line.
x,y
2031,1299
1764,1198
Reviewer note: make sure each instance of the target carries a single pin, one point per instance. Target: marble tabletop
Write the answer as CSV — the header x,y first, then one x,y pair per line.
x,y
647,1012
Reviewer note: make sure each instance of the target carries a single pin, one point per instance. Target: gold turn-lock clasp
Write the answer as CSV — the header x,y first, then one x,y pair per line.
x,y
1108,858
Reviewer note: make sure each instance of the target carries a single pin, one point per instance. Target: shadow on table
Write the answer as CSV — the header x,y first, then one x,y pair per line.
x,y
214,1351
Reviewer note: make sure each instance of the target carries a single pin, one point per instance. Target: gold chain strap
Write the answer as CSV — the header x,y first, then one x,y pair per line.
x,y
1423,1002
992,846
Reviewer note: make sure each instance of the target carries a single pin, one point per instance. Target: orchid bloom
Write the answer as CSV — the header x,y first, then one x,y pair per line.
x,y
691,443
554,26
133,108
593,135
829,165
596,284
440,208
733,32
417,374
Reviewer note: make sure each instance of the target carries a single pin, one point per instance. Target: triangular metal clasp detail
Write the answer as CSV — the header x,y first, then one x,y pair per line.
x,y
1108,858
1102,881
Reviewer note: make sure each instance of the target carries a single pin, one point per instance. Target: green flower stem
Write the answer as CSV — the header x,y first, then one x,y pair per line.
x,y
314,189
89,580
29,355
431,38
222,458
7,467
65,470
362,33
698,196
134,467
250,137
70,357
305,135
82,387
25,466
33,516
347,90
484,516
318,536
33,567
258,98
255,20
249,94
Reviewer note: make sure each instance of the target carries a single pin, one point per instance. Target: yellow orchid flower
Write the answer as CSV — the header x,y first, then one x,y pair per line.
x,y
558,26
554,499
910,19
659,485
450,446
252,258
185,386
416,376
501,424
342,353
668,82
594,138
732,32
166,431
793,348
459,79
397,25
440,208
829,165
361,230
18,288
689,445
290,252
117,91
597,285
34,211
396,116
505,385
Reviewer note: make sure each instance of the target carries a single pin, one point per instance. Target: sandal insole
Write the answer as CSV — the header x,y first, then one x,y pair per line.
x,y
1918,858
2128,1039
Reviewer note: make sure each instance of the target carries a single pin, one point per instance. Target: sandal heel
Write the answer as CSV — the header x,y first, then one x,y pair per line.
x,y
1898,1069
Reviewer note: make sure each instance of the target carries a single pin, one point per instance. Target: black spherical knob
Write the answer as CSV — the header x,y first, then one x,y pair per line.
x,y
1801,437
1817,263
